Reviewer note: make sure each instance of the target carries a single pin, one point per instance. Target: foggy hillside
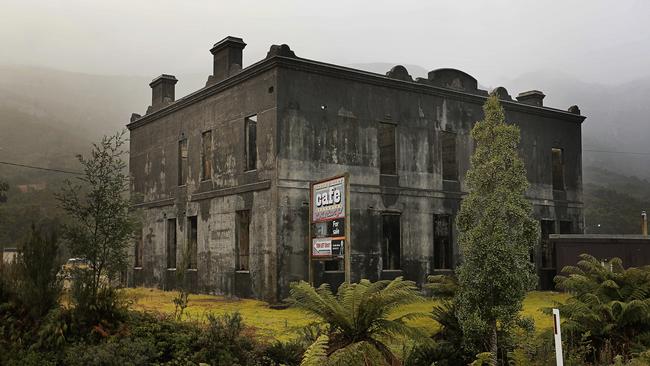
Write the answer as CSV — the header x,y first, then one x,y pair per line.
x,y
618,117
46,116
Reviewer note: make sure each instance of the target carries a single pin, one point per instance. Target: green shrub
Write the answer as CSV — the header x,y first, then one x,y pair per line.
x,y
38,286
226,341
174,340
102,313
115,351
8,281
280,353
609,308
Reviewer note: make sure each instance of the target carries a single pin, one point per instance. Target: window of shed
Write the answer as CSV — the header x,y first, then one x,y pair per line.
x,y
449,161
558,169
251,143
390,246
206,155
387,151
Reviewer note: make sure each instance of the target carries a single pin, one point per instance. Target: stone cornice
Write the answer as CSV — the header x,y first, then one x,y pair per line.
x,y
342,72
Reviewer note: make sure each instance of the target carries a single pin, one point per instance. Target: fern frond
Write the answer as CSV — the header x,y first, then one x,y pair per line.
x,y
316,354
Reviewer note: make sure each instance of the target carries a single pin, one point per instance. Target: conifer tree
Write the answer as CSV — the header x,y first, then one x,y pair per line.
x,y
497,233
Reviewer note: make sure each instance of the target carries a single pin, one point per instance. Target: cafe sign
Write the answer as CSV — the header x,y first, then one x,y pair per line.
x,y
329,229
328,200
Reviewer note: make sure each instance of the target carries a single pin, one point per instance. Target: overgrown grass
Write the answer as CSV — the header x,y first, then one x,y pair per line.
x,y
270,323
536,301
282,324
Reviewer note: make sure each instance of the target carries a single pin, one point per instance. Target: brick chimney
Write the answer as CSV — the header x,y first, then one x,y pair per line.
x,y
227,59
162,92
532,97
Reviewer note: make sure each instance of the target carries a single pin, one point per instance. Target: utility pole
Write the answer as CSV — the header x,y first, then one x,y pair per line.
x,y
644,224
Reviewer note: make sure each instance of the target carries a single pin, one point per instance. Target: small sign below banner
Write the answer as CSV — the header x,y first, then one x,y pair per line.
x,y
328,247
338,247
321,247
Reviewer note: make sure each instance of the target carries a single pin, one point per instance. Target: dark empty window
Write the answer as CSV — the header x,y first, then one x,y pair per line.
x,y
442,243
558,169
390,246
182,162
171,243
334,265
192,242
206,155
138,249
566,227
448,147
243,239
251,143
386,141
548,251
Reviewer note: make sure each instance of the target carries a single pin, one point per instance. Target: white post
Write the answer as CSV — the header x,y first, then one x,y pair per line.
x,y
558,338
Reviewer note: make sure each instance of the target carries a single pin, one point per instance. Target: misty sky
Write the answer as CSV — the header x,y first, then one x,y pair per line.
x,y
596,41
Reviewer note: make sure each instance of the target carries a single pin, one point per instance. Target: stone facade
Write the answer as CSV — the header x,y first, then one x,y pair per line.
x,y
228,168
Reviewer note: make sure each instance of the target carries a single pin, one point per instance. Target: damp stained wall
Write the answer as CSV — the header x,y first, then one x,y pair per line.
x,y
314,121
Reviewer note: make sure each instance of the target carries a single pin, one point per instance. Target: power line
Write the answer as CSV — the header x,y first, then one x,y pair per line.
x,y
617,152
41,168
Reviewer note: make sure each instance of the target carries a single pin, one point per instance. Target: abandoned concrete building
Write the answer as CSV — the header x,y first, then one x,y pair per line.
x,y
222,176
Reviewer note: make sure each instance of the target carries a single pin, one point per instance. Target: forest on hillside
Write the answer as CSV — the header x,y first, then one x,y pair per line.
x,y
48,116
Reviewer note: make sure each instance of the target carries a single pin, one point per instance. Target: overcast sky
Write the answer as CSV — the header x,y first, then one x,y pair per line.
x,y
596,41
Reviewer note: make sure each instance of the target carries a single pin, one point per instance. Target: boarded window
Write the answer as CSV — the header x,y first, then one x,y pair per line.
x,y
138,251
386,141
251,143
449,164
558,169
390,248
171,243
243,240
192,242
566,227
206,155
442,243
182,162
548,251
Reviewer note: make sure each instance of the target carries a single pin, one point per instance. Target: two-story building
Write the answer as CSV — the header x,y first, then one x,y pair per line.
x,y
222,175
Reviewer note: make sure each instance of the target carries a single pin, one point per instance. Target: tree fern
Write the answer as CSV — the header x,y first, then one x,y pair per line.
x,y
359,318
610,304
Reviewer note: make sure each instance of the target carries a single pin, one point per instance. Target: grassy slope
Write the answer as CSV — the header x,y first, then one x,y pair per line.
x,y
281,324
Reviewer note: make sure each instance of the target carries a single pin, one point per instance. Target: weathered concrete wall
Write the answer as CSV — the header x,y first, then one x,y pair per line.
x,y
328,124
316,121
154,167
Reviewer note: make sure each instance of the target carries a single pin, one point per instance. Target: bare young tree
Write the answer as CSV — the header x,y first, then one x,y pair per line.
x,y
97,202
